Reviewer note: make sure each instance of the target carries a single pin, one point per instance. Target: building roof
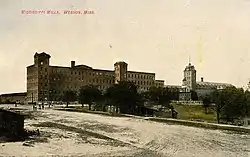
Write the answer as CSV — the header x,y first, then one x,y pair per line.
x,y
212,85
14,94
190,67
83,66
120,62
173,86
57,66
140,72
103,70
42,54
11,112
30,66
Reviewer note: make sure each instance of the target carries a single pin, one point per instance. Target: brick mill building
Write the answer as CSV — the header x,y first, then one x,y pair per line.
x,y
47,83
202,88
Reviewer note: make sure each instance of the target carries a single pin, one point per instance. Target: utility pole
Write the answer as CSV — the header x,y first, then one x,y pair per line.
x,y
32,97
32,101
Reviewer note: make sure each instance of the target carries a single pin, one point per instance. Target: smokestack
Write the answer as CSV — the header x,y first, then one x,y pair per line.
x,y
72,64
202,79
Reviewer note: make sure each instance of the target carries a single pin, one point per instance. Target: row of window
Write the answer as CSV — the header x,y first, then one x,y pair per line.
x,y
87,80
159,84
139,76
91,73
142,82
97,81
76,89
44,92
108,74
86,73
109,81
144,88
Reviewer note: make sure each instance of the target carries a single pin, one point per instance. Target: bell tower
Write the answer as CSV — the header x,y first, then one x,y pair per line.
x,y
189,79
120,71
41,59
41,62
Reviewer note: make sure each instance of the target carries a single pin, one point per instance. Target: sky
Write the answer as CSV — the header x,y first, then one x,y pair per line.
x,y
152,36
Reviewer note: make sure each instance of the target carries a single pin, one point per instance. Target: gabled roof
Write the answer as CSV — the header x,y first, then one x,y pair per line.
x,y
173,86
212,85
83,67
14,94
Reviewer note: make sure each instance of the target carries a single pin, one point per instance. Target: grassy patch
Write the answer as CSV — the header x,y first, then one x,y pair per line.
x,y
195,112
202,125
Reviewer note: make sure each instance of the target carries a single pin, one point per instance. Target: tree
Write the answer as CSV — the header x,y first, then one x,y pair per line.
x,y
234,104
206,103
159,95
247,105
145,95
194,95
69,96
52,94
124,96
173,93
89,94
231,103
219,98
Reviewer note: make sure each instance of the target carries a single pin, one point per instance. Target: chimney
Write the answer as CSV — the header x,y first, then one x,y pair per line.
x,y
202,79
72,64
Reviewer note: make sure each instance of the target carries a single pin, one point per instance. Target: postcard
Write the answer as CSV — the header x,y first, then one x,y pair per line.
x,y
125,78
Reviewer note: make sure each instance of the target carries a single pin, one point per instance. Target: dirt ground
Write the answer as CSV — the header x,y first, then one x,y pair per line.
x,y
81,134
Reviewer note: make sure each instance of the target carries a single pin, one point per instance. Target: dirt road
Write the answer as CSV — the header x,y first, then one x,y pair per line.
x,y
81,134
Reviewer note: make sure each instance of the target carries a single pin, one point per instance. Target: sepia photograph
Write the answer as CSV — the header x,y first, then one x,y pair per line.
x,y
125,78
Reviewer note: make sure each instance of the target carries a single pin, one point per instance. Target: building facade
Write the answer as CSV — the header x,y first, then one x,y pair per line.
x,y
48,83
190,84
159,83
189,79
13,98
201,87
184,93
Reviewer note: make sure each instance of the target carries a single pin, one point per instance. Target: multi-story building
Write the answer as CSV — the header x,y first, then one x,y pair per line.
x,y
47,83
159,83
190,84
189,79
202,88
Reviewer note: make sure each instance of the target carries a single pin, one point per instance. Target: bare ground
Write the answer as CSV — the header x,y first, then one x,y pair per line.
x,y
82,134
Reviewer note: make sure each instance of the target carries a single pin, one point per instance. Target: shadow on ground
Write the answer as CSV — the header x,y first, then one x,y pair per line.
x,y
128,153
85,135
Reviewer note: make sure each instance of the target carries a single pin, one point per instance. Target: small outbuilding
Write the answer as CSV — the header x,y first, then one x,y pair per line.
x,y
11,123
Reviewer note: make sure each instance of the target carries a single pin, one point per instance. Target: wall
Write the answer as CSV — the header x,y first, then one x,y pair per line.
x,y
204,92
11,123
46,82
159,83
188,102
13,98
143,80
185,96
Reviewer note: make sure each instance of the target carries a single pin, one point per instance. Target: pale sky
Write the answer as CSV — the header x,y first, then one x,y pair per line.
x,y
150,35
